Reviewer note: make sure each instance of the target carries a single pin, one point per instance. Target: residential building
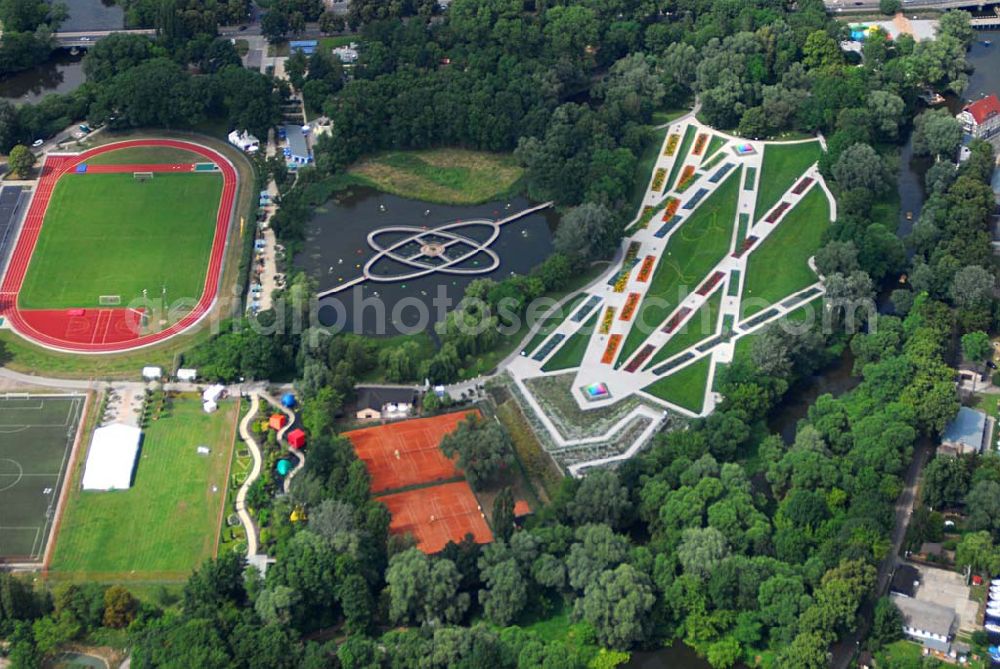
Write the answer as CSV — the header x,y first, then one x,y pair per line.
x,y
981,119
297,152
965,434
348,55
929,624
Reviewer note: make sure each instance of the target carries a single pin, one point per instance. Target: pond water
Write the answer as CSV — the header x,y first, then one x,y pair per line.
x,y
76,661
60,74
337,249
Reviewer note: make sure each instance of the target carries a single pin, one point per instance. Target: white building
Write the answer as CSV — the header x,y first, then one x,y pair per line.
x,y
111,459
151,373
927,623
981,119
348,55
244,141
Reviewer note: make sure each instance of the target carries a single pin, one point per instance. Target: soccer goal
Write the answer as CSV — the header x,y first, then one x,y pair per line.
x,y
109,300
142,176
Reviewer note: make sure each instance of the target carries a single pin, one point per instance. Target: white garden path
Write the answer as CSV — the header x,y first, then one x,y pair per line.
x,y
600,295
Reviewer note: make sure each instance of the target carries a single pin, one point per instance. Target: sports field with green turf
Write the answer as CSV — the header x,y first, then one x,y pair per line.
x,y
694,249
110,234
167,523
782,166
685,388
36,437
147,155
780,266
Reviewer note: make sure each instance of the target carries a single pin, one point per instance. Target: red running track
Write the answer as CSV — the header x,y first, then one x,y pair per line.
x,y
105,330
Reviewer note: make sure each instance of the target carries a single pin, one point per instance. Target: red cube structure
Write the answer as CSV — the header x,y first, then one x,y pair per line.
x,y
297,438
277,421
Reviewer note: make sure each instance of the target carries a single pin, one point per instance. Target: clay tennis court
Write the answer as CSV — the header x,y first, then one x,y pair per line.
x,y
399,455
437,515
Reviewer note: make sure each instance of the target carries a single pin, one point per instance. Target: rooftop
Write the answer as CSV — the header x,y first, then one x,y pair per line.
x,y
984,108
925,616
376,398
905,580
967,428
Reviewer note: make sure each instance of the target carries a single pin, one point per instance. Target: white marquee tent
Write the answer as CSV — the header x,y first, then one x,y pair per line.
x,y
112,457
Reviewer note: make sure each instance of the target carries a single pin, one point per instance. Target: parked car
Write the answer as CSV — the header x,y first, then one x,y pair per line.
x,y
37,143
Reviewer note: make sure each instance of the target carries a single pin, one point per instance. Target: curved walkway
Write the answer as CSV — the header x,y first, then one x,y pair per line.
x,y
241,495
281,440
51,328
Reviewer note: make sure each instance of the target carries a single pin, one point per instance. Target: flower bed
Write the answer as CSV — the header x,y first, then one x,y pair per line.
x,y
658,178
672,142
699,144
646,270
686,178
631,302
673,204
609,316
611,349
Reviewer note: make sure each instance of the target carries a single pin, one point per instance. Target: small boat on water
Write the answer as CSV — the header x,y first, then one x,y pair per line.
x,y
992,627
909,215
987,42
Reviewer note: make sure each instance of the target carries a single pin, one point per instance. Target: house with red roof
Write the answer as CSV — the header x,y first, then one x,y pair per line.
x,y
981,118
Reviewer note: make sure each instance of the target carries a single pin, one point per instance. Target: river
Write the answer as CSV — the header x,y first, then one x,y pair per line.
x,y
60,74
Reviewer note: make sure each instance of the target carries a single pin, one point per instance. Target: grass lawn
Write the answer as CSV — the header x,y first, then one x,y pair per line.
x,y
108,234
783,165
701,326
694,249
780,266
679,157
553,320
328,43
446,176
146,154
168,522
571,353
686,388
716,143
644,167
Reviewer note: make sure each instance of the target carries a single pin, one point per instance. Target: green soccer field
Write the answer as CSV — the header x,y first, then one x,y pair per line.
x,y
36,436
167,523
109,234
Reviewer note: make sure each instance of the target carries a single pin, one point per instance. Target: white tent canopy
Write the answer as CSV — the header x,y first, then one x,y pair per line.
x,y
111,459
213,393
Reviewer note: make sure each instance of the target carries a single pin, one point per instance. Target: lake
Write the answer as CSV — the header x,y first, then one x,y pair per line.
x,y
336,250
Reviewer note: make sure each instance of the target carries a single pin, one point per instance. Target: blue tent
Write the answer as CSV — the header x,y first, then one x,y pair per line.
x,y
288,400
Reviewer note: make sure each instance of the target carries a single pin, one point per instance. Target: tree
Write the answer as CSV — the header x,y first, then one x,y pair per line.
x,y
701,550
482,447
618,605
601,498
274,25
888,623
976,347
503,514
976,550
584,232
957,24
889,7
837,257
120,607
983,506
21,160
946,482
424,589
861,167
506,591
972,287
936,133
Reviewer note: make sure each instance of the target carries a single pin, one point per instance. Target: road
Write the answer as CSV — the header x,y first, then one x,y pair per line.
x,y
908,5
844,651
